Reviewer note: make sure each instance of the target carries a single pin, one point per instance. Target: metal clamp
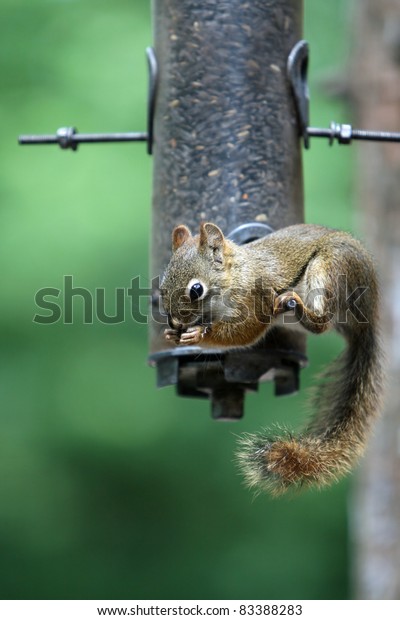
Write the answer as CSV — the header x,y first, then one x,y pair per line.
x,y
297,69
69,138
151,99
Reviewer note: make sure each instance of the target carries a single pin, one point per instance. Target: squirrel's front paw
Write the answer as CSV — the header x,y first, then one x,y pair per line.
x,y
172,335
286,302
193,335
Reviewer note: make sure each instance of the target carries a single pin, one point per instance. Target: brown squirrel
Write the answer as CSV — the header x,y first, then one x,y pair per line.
x,y
217,293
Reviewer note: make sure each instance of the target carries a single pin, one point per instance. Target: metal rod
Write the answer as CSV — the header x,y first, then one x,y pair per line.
x,y
344,134
68,138
381,136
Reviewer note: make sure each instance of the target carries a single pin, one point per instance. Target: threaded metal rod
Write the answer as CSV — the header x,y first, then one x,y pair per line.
x,y
382,136
67,138
344,134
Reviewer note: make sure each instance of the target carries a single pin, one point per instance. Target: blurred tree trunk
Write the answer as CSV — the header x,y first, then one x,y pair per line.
x,y
375,92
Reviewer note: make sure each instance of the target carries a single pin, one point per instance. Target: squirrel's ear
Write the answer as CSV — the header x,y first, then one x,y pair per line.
x,y
211,237
180,235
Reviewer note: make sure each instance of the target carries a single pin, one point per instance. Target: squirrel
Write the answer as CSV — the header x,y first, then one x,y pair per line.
x,y
219,294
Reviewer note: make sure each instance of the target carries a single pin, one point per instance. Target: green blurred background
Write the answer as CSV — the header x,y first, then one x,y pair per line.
x,y
110,488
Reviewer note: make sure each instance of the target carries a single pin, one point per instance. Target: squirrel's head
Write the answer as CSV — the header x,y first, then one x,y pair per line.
x,y
194,281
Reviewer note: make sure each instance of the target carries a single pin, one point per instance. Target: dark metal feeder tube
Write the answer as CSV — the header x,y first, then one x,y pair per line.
x,y
227,150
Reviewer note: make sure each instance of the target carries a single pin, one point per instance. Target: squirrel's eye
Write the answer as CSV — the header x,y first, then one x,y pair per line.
x,y
196,290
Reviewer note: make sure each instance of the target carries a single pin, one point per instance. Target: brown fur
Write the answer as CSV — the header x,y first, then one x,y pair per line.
x,y
291,264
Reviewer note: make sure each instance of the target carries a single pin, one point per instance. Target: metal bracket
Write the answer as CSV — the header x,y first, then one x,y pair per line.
x,y
151,99
249,232
297,69
69,138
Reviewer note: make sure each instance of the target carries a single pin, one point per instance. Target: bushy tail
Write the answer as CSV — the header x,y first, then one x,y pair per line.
x,y
345,406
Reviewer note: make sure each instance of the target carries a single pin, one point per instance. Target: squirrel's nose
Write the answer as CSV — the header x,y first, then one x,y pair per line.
x,y
173,323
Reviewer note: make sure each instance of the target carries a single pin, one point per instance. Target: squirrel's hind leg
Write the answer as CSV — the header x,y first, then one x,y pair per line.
x,y
314,307
312,321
